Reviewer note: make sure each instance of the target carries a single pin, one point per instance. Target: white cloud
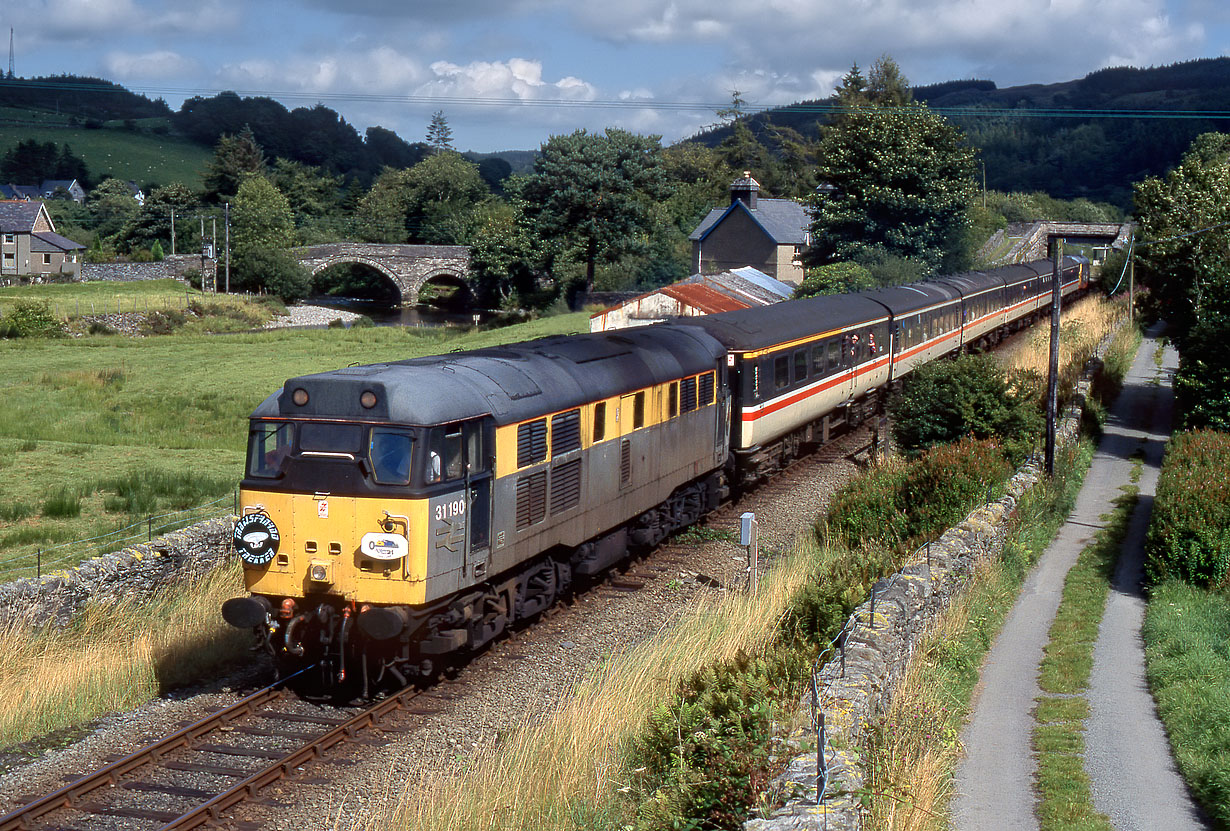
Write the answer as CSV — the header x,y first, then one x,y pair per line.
x,y
160,65
517,78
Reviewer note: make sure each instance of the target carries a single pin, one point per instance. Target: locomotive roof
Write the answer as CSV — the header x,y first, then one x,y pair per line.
x,y
759,328
512,382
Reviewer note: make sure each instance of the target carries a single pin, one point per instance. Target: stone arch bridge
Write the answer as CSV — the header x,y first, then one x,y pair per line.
x,y
409,267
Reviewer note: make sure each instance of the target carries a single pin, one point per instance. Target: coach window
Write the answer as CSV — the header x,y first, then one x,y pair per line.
x,y
834,354
781,372
599,422
800,365
817,359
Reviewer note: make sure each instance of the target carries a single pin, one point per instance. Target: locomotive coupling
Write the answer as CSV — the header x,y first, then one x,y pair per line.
x,y
247,612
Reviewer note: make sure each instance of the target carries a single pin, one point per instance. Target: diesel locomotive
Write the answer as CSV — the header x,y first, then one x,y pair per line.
x,y
396,513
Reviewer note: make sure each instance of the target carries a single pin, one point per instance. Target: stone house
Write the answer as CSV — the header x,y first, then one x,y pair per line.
x,y
30,248
767,234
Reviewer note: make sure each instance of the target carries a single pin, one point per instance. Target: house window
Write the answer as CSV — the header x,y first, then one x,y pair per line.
x,y
9,239
46,259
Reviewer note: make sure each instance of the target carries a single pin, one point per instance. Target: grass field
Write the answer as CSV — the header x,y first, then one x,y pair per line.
x,y
142,157
77,415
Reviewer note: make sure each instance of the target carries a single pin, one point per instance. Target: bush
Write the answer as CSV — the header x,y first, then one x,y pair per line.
x,y
969,396
97,327
164,322
900,505
30,319
835,278
702,760
1189,535
272,270
156,251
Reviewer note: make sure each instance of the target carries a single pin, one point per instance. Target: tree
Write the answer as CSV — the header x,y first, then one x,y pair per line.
x,y
505,258
431,203
261,217
262,228
236,157
886,85
1185,260
152,222
592,193
311,192
898,180
439,134
111,207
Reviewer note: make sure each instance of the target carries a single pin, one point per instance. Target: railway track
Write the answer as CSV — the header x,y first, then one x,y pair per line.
x,y
203,772
197,775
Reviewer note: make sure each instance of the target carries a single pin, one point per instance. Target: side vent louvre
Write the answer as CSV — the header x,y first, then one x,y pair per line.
x,y
625,463
531,499
687,394
706,389
531,442
565,486
565,432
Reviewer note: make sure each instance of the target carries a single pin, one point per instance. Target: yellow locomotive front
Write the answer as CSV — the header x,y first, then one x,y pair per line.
x,y
339,500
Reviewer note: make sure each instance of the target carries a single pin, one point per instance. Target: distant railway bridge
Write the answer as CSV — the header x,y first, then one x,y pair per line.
x,y
409,267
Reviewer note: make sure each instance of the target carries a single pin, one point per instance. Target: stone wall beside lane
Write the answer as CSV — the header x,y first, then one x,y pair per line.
x,y
857,687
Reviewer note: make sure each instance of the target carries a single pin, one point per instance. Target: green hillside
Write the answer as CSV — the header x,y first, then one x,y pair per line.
x,y
145,158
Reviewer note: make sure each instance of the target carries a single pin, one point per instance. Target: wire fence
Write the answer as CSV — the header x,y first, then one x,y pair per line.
x,y
65,554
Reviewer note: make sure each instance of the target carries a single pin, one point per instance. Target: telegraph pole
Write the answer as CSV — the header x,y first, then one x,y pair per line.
x,y
172,232
1131,278
1052,384
226,211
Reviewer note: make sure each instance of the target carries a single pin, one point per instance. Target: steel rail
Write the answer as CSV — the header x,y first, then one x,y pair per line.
x,y
74,792
212,810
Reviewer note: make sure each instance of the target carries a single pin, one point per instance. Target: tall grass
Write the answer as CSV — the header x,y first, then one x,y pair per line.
x,y
113,657
564,769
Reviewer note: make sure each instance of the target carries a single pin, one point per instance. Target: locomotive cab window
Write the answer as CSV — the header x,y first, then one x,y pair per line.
x,y
390,455
268,445
444,454
317,439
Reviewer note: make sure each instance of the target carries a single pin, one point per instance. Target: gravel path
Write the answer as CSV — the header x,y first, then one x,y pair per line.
x,y
994,782
1128,759
311,317
516,681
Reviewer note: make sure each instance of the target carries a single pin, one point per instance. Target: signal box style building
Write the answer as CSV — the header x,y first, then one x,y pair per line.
x,y
766,234
700,294
30,247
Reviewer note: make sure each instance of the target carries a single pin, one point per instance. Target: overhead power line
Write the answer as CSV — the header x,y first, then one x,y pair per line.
x,y
816,107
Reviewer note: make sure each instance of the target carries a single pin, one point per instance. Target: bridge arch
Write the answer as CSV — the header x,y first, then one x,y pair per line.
x,y
409,267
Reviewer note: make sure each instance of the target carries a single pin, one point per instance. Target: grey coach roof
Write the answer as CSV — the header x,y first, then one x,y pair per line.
x,y
512,383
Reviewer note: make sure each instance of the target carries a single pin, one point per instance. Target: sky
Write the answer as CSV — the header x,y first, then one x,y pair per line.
x,y
508,74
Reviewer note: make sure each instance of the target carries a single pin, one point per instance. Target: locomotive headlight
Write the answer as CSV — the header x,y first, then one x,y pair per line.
x,y
319,572
368,399
299,396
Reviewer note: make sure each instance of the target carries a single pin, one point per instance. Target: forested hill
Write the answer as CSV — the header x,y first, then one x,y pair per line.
x,y
85,99
1080,145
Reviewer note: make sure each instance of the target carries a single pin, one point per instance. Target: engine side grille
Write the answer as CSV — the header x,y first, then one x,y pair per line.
x,y
565,486
531,499
565,432
531,442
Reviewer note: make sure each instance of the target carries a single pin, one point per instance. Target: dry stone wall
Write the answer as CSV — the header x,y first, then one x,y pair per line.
x,y
174,267
857,685
173,559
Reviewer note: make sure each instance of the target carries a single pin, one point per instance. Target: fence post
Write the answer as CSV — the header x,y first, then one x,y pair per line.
x,y
150,532
873,607
822,773
38,569
236,511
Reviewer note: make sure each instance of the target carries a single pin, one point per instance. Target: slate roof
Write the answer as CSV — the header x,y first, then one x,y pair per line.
x,y
19,191
18,217
49,242
785,221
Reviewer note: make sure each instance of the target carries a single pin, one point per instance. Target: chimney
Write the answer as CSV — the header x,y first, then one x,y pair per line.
x,y
745,190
